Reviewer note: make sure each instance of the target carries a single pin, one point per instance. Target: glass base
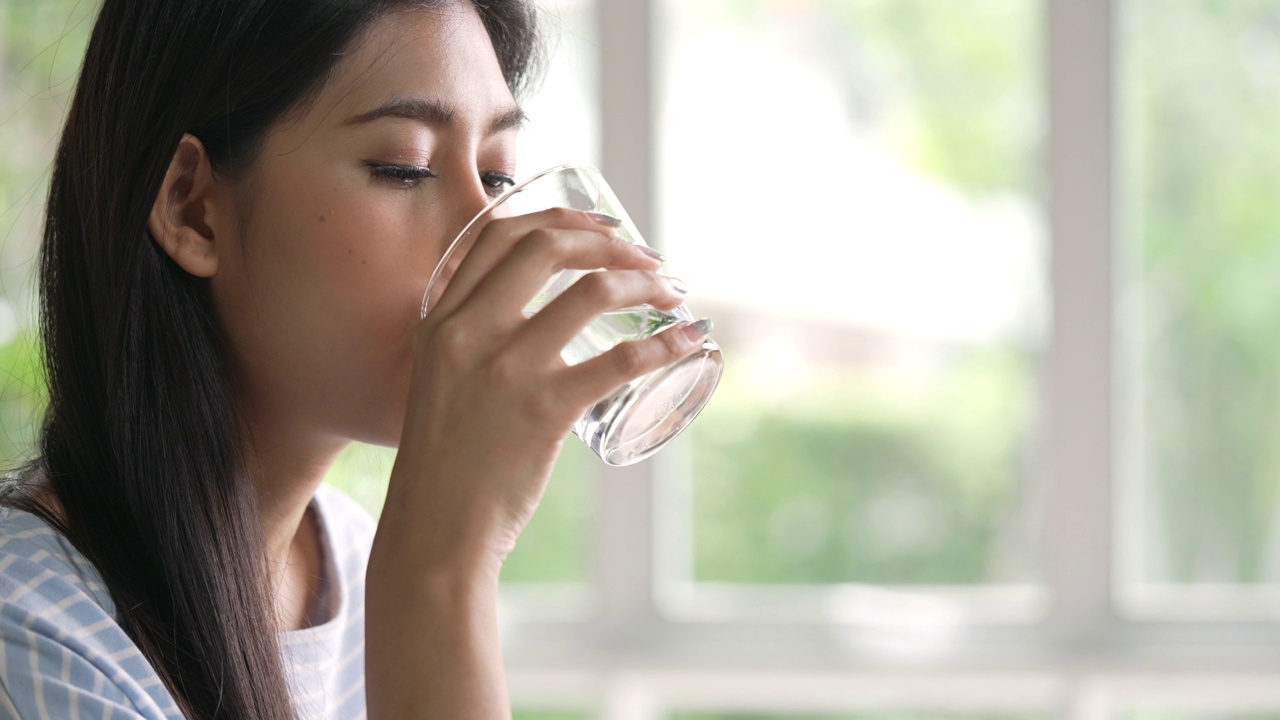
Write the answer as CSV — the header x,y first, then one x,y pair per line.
x,y
644,415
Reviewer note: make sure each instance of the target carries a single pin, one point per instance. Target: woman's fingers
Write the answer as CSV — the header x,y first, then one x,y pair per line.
x,y
508,288
588,382
547,332
497,240
478,331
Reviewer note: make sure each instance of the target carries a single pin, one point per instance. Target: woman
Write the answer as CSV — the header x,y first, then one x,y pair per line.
x,y
246,203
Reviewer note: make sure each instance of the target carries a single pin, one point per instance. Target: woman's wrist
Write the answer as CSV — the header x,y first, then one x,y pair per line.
x,y
433,559
432,644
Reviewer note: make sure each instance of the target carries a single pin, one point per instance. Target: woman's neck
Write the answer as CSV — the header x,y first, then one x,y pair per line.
x,y
287,470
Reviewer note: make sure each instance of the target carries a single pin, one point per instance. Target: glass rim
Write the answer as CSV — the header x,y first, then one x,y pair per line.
x,y
453,245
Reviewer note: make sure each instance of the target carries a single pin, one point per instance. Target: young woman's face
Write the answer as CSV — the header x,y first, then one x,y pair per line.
x,y
341,227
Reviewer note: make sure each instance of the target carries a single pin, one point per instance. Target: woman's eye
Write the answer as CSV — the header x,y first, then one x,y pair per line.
x,y
496,183
405,176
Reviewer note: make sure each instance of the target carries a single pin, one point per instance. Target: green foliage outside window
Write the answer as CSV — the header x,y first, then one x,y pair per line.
x,y
1201,175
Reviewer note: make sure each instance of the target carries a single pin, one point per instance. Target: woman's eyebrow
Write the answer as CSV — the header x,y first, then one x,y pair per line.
x,y
435,113
512,119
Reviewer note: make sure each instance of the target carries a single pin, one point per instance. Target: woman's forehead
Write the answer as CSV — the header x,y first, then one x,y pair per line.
x,y
440,57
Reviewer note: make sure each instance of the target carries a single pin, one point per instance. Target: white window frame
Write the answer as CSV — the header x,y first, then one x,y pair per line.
x,y
636,645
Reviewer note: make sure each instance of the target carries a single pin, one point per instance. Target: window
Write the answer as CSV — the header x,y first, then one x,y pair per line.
x,y
995,281
1198,178
854,190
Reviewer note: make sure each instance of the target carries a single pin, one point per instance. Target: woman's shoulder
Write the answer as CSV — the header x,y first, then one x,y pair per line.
x,y
56,612
39,566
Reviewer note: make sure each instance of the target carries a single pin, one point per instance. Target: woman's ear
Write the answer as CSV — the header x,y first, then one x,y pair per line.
x,y
192,212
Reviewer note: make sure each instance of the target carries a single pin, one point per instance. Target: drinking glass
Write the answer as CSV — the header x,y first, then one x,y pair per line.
x,y
643,415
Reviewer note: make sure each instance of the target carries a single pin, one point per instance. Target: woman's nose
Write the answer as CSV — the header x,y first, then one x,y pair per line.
x,y
464,185
467,200
473,198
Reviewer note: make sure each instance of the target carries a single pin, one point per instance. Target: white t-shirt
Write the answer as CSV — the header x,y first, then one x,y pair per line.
x,y
64,655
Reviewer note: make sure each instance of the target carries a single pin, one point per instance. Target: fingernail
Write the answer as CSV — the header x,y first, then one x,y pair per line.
x,y
607,220
652,253
678,285
697,331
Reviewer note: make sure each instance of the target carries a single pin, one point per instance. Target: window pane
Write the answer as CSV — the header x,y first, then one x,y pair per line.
x,y
851,189
564,108
1200,296
553,548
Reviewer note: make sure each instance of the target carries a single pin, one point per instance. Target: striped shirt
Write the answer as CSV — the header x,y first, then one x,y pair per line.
x,y
64,655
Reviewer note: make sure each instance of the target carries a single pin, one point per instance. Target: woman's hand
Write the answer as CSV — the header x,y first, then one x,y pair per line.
x,y
491,399
490,403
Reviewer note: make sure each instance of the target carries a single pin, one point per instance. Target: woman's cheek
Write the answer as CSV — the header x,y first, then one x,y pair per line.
x,y
381,260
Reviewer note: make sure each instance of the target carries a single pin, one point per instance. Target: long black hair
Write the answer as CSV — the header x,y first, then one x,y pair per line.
x,y
141,443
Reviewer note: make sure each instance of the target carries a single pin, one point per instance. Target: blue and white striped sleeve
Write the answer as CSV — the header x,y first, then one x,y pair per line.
x,y
63,654
44,677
